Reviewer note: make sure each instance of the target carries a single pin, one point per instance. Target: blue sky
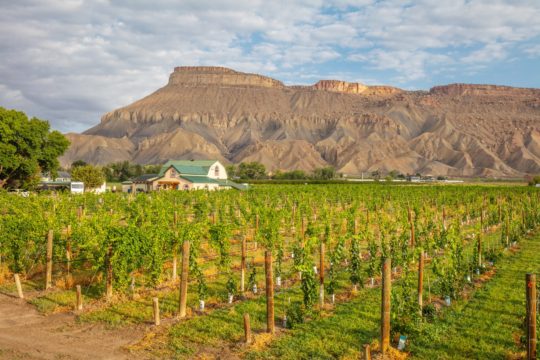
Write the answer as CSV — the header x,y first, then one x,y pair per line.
x,y
70,61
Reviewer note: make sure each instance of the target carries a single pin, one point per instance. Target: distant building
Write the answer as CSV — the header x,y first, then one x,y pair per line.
x,y
184,175
62,176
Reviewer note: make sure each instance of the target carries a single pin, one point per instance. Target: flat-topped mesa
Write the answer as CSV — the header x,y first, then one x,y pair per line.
x,y
215,75
340,86
355,88
479,89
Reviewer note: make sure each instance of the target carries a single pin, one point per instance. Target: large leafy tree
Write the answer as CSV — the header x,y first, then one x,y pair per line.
x,y
251,170
27,147
91,176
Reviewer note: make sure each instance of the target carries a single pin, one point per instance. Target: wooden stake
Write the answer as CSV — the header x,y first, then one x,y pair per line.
x,y
48,277
507,229
385,305
243,266
444,218
184,280
247,329
321,275
19,286
367,219
411,223
530,280
269,292
79,305
303,229
174,266
479,250
367,352
68,250
157,320
355,226
256,231
420,281
109,279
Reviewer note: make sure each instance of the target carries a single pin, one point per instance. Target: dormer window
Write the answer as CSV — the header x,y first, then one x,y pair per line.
x,y
216,171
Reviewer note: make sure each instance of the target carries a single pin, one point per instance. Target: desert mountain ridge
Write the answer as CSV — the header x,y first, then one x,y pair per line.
x,y
220,113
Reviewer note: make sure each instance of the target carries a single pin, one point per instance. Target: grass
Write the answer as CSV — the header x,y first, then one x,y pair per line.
x,y
357,322
338,333
489,325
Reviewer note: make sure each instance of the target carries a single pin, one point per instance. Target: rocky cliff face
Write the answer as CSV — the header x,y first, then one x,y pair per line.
x,y
340,86
218,76
213,112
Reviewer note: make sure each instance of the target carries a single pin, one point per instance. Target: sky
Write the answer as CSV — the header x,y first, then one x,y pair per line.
x,y
71,61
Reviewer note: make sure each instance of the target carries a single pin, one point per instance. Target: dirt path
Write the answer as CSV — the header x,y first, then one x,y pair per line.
x,y
25,334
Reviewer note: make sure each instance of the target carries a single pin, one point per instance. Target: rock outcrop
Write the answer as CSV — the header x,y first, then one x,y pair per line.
x,y
214,75
214,112
340,86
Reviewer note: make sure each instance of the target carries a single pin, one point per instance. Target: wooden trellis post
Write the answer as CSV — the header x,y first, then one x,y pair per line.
x,y
444,218
175,250
68,252
79,303
367,352
303,229
480,234
19,286
243,265
184,280
157,319
367,219
247,329
48,277
421,281
411,224
256,231
109,280
321,275
385,305
530,281
269,292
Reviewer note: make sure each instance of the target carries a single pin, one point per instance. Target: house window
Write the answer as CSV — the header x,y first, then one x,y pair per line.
x,y
186,187
173,173
216,171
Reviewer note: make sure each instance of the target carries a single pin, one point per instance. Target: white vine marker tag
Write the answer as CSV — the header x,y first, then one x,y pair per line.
x,y
402,342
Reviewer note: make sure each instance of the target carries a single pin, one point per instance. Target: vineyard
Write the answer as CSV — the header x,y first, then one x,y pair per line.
x,y
288,271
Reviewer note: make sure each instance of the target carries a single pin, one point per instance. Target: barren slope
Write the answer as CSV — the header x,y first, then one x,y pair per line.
x,y
212,112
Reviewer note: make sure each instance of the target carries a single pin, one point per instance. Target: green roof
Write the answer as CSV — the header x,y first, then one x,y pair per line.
x,y
199,179
231,184
189,167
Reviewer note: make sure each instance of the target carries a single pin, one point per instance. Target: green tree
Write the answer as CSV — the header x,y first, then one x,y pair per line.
x,y
78,163
326,173
534,180
251,170
27,147
231,170
91,176
290,175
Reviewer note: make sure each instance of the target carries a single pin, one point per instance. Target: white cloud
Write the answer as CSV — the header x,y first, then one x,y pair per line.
x,y
71,61
532,50
488,53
